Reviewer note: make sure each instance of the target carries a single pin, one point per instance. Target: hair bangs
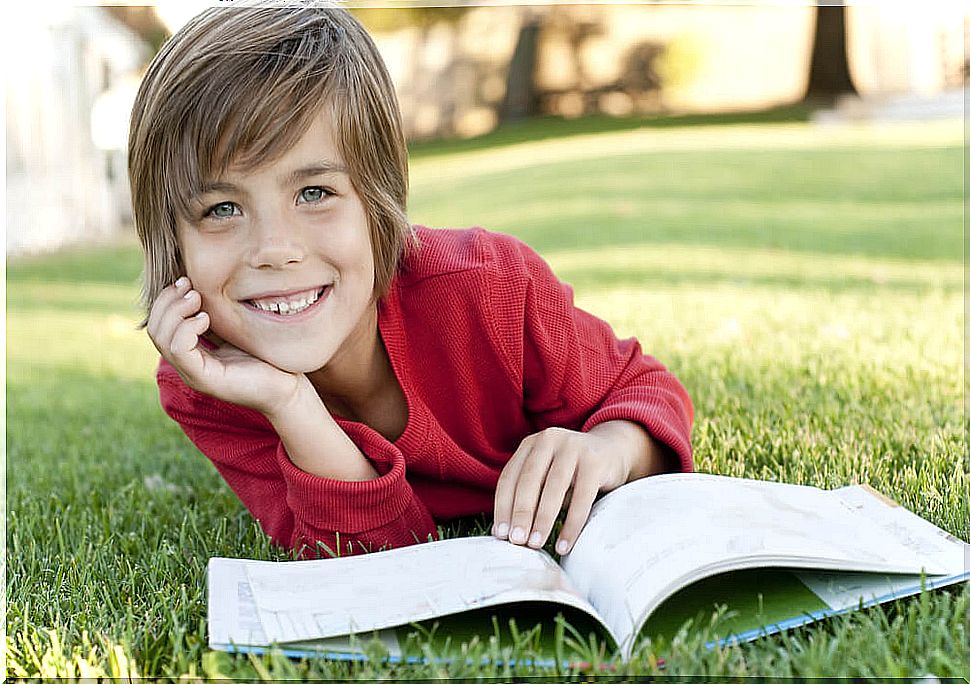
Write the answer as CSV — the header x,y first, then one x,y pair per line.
x,y
245,125
261,131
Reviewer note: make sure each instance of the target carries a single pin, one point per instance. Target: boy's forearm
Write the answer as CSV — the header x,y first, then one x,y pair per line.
x,y
645,455
314,441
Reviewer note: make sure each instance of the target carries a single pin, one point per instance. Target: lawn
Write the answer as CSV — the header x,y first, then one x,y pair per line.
x,y
806,284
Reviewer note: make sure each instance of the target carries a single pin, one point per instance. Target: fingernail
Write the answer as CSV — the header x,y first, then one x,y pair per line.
x,y
562,546
517,535
181,282
502,530
535,539
188,295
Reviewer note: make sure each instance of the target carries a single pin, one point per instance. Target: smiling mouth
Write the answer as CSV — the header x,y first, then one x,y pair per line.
x,y
288,306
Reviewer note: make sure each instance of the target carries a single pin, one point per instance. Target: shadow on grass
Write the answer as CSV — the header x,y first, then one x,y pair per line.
x,y
544,127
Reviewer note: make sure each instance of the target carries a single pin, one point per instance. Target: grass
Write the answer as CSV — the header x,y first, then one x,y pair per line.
x,y
805,284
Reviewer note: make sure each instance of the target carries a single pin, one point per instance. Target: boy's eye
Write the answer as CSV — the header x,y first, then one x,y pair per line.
x,y
223,210
313,194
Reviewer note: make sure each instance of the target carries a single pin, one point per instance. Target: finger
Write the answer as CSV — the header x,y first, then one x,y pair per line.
x,y
180,309
505,490
186,336
164,299
187,356
527,489
159,322
558,481
584,494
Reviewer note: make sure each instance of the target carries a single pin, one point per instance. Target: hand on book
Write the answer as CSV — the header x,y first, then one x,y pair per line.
x,y
549,470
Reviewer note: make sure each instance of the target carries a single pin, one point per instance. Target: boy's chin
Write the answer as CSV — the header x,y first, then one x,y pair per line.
x,y
297,366
290,363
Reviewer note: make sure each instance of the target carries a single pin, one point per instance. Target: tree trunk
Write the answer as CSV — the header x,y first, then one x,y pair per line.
x,y
829,75
521,99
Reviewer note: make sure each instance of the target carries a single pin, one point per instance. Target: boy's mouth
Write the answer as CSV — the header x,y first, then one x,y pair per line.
x,y
289,304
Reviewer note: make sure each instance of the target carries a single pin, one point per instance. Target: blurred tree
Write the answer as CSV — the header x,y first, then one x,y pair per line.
x,y
143,21
521,99
386,19
828,75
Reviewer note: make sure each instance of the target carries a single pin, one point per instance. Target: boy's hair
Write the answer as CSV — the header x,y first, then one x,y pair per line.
x,y
240,85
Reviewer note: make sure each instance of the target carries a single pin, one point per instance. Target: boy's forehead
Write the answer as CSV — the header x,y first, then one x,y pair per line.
x,y
285,172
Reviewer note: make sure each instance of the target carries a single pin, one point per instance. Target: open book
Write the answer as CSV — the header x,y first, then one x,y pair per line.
x,y
653,553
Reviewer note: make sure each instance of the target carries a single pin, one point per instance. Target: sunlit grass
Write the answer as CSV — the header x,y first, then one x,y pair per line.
x,y
806,286
880,191
773,137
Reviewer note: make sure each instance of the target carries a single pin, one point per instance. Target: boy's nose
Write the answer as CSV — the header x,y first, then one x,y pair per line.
x,y
277,250
276,241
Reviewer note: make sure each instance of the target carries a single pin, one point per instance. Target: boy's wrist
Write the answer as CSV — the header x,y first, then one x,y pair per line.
x,y
642,454
657,458
313,440
303,397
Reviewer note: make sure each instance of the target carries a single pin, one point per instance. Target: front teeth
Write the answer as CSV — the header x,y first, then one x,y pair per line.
x,y
287,308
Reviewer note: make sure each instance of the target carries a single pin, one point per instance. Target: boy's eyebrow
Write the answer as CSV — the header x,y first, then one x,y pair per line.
x,y
213,186
315,169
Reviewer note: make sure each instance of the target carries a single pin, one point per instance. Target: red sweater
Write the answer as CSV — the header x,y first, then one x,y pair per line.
x,y
488,348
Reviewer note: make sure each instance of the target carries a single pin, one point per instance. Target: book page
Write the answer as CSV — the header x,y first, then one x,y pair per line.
x,y
925,540
303,600
844,590
234,621
921,537
651,537
232,609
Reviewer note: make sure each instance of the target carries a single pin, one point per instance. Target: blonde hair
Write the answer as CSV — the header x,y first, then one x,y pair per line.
x,y
239,86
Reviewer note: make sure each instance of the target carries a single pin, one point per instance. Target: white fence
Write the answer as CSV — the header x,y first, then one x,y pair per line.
x,y
62,188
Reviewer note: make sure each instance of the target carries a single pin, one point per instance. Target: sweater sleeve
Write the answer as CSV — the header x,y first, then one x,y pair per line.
x,y
577,374
296,509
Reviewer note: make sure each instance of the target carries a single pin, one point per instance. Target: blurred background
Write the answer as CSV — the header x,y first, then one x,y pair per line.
x,y
462,71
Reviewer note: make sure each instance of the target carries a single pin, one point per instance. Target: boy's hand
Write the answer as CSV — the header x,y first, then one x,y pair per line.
x,y
548,466
175,324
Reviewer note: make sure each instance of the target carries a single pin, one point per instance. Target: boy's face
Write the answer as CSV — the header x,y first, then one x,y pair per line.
x,y
282,256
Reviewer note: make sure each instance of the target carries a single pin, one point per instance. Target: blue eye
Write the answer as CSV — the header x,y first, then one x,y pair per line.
x,y
314,194
224,210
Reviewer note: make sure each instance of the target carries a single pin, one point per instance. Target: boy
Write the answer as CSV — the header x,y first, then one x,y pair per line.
x,y
356,379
